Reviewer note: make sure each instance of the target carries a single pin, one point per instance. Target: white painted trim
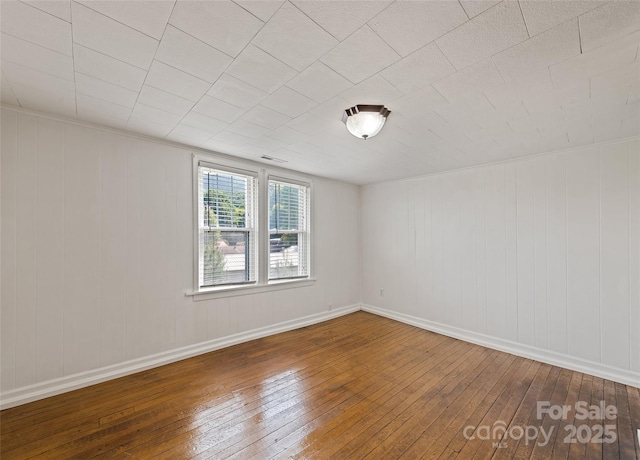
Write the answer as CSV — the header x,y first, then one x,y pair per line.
x,y
232,291
61,385
624,376
57,386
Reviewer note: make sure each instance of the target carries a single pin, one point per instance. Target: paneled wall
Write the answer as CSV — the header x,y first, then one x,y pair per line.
x,y
97,251
541,253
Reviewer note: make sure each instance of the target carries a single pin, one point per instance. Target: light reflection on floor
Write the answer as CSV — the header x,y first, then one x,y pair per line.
x,y
251,410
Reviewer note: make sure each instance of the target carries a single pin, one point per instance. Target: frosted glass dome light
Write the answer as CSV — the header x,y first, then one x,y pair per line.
x,y
365,121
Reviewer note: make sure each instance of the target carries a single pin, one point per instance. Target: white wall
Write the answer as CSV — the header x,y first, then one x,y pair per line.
x,y
538,256
97,254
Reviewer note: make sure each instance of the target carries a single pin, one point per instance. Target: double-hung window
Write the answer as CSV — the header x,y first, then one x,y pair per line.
x,y
227,216
253,230
288,229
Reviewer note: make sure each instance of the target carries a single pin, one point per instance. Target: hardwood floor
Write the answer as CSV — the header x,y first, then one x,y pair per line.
x,y
357,387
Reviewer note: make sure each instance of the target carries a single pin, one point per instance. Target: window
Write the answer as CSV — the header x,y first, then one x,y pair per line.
x,y
227,226
288,230
252,231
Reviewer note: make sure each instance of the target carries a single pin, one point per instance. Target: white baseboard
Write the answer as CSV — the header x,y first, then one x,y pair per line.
x,y
54,387
624,376
57,386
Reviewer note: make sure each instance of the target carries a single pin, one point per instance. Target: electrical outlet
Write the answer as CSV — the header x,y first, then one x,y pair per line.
x,y
381,292
330,306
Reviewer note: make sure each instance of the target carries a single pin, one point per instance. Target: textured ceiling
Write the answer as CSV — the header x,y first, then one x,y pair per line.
x,y
468,82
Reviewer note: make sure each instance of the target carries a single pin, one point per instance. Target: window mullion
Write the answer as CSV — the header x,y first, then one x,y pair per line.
x,y
263,228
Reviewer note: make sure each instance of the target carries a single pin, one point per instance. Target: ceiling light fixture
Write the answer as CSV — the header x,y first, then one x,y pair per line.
x,y
365,121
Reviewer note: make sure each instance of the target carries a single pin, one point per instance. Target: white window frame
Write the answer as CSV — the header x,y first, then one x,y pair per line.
x,y
307,230
262,283
252,217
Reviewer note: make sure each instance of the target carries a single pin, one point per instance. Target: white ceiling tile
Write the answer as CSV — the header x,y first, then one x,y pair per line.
x,y
435,123
259,69
221,24
319,82
580,132
58,8
53,102
246,128
472,79
361,55
30,78
183,132
144,112
409,25
609,22
500,115
595,107
474,103
523,86
35,26
594,96
100,33
556,137
286,135
150,128
7,95
596,61
293,38
192,56
475,7
265,117
494,30
231,138
162,100
288,102
617,84
268,143
191,141
627,73
331,109
147,17
101,118
106,68
89,104
36,57
217,145
239,93
546,119
417,101
543,15
543,50
106,91
341,18
556,98
175,81
262,9
203,122
218,109
373,90
458,117
419,69
308,124
252,150
489,134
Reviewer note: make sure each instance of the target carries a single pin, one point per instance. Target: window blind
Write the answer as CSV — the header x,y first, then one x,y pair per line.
x,y
227,226
288,230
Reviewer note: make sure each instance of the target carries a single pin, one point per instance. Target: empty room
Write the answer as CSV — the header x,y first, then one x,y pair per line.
x,y
328,229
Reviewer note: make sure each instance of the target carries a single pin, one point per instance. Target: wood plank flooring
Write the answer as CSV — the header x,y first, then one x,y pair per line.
x,y
357,387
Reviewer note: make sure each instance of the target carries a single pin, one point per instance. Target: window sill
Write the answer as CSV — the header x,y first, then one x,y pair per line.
x,y
232,291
